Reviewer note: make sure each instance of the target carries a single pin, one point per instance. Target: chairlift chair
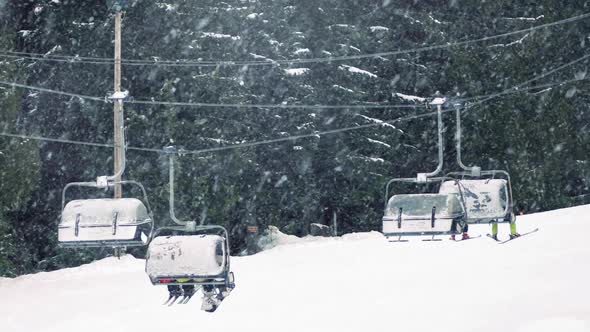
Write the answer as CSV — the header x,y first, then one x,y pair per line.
x,y
423,214
190,256
105,222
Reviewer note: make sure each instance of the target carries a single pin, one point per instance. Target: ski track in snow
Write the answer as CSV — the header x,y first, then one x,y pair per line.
x,y
356,282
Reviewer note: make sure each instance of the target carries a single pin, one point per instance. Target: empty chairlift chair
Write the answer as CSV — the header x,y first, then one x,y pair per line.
x,y
104,222
422,214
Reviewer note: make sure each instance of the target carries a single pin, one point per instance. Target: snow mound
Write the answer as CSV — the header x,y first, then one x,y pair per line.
x,y
274,237
373,235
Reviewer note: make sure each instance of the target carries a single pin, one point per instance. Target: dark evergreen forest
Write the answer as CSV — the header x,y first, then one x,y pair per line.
x,y
540,135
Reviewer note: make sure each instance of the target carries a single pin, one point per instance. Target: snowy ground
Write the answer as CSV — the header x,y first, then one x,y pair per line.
x,y
359,282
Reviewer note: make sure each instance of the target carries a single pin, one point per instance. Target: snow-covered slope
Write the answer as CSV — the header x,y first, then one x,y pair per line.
x,y
359,282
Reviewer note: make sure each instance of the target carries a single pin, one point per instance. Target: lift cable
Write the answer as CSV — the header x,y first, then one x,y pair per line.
x,y
189,63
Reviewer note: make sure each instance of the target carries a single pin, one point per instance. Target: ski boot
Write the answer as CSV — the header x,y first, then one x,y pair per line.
x,y
174,293
465,236
187,293
174,290
495,237
210,300
224,292
514,236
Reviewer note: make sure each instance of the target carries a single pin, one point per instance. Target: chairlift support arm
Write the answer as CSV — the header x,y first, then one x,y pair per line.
x,y
189,224
475,170
118,174
171,151
423,177
440,143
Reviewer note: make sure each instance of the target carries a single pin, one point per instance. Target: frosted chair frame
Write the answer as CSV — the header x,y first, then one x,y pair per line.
x,y
172,261
493,185
105,222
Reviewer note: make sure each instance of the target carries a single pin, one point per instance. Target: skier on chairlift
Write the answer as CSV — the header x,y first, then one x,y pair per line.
x,y
188,290
174,291
211,299
213,295
512,220
464,230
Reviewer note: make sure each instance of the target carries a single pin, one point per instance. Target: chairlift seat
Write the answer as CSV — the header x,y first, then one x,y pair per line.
x,y
102,222
422,214
485,199
188,259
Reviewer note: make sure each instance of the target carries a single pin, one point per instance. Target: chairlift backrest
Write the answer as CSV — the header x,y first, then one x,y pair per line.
x,y
187,256
422,214
485,199
104,222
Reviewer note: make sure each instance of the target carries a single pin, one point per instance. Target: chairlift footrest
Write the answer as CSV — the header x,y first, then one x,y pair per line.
x,y
101,244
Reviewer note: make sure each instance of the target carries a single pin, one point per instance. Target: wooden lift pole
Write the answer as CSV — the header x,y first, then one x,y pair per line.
x,y
118,108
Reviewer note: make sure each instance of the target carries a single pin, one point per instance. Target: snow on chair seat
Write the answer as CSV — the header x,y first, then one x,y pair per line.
x,y
485,199
422,214
104,222
179,259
